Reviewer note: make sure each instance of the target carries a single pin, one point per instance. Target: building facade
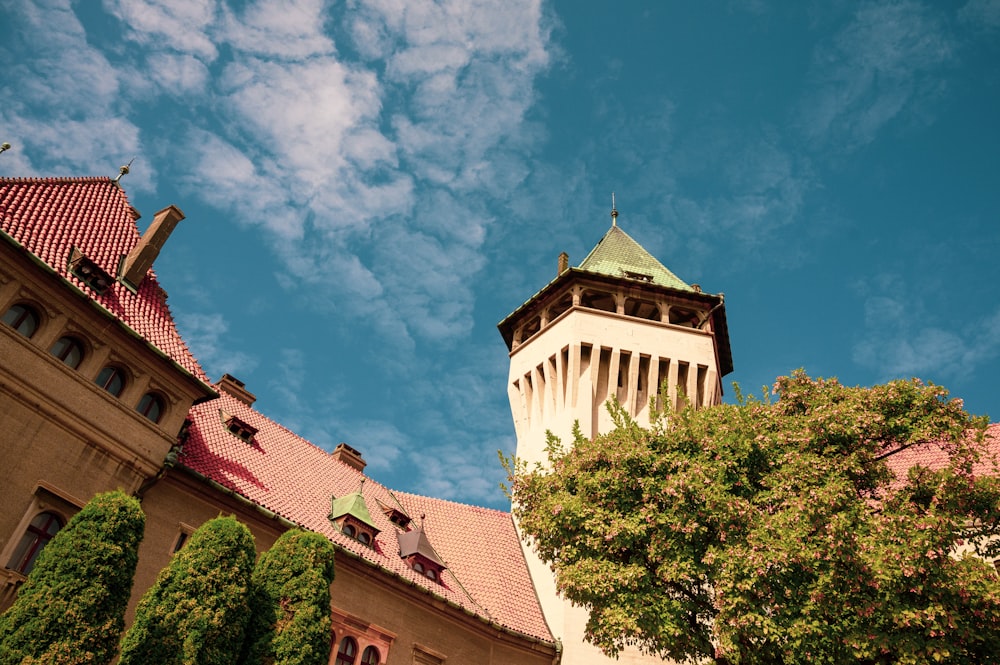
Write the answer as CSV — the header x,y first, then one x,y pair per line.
x,y
98,392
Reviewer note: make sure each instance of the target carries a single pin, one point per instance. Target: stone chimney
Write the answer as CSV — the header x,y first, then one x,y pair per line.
x,y
232,386
138,262
563,263
349,456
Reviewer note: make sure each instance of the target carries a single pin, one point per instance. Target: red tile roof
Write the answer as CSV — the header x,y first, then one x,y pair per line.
x,y
933,456
50,216
486,573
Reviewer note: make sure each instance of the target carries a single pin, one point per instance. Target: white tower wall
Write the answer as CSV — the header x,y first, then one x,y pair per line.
x,y
621,325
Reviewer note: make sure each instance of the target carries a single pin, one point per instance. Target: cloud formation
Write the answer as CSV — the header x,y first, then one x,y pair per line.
x,y
879,67
902,339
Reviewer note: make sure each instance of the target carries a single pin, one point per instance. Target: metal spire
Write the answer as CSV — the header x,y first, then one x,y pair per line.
x,y
122,172
614,211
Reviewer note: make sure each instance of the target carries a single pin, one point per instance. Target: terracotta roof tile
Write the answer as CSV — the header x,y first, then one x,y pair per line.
x,y
486,573
50,216
933,455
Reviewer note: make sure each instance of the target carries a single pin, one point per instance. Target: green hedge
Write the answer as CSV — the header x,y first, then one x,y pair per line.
x,y
290,624
196,613
70,610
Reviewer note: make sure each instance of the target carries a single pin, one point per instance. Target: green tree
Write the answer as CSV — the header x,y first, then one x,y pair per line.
x,y
290,624
775,531
197,610
71,608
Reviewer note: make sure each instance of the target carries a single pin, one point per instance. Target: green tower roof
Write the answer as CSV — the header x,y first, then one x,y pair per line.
x,y
618,255
354,505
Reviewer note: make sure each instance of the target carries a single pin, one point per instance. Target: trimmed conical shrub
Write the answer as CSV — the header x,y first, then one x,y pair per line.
x,y
290,624
71,608
196,613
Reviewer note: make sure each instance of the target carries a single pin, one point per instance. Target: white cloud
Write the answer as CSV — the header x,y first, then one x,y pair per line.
x,y
64,109
981,14
178,74
206,336
290,29
878,66
171,25
901,338
367,172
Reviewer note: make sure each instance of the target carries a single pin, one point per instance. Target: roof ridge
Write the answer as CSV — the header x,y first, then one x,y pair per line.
x,y
55,180
286,429
423,497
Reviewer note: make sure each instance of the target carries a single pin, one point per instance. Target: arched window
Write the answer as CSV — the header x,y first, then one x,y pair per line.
x,y
365,538
151,406
370,656
431,574
37,535
112,379
347,652
419,567
350,531
22,318
69,350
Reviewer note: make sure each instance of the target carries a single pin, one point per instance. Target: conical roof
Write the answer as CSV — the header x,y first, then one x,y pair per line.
x,y
618,255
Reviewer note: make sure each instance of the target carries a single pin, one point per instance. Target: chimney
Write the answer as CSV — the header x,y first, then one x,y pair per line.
x,y
349,456
233,387
138,262
563,263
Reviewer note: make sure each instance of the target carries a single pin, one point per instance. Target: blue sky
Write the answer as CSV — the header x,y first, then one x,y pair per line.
x,y
371,185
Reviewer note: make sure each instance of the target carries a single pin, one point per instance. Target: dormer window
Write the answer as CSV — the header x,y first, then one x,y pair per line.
x,y
637,276
416,550
395,515
350,515
238,428
354,528
88,272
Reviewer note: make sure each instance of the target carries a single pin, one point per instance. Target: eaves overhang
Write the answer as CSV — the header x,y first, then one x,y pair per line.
x,y
715,301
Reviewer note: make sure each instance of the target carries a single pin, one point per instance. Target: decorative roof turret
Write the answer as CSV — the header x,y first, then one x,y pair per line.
x,y
419,554
350,514
416,542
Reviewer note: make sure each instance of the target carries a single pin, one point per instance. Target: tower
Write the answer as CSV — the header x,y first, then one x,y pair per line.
x,y
619,325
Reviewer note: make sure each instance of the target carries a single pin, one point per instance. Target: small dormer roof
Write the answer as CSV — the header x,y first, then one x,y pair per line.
x,y
618,255
416,542
354,505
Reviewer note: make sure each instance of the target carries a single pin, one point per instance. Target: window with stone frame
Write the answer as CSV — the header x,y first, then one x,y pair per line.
x,y
69,350
40,531
47,512
347,651
370,640
23,318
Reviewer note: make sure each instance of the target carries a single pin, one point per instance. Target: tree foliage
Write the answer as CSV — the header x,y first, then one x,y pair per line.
x,y
290,624
197,610
71,608
774,530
